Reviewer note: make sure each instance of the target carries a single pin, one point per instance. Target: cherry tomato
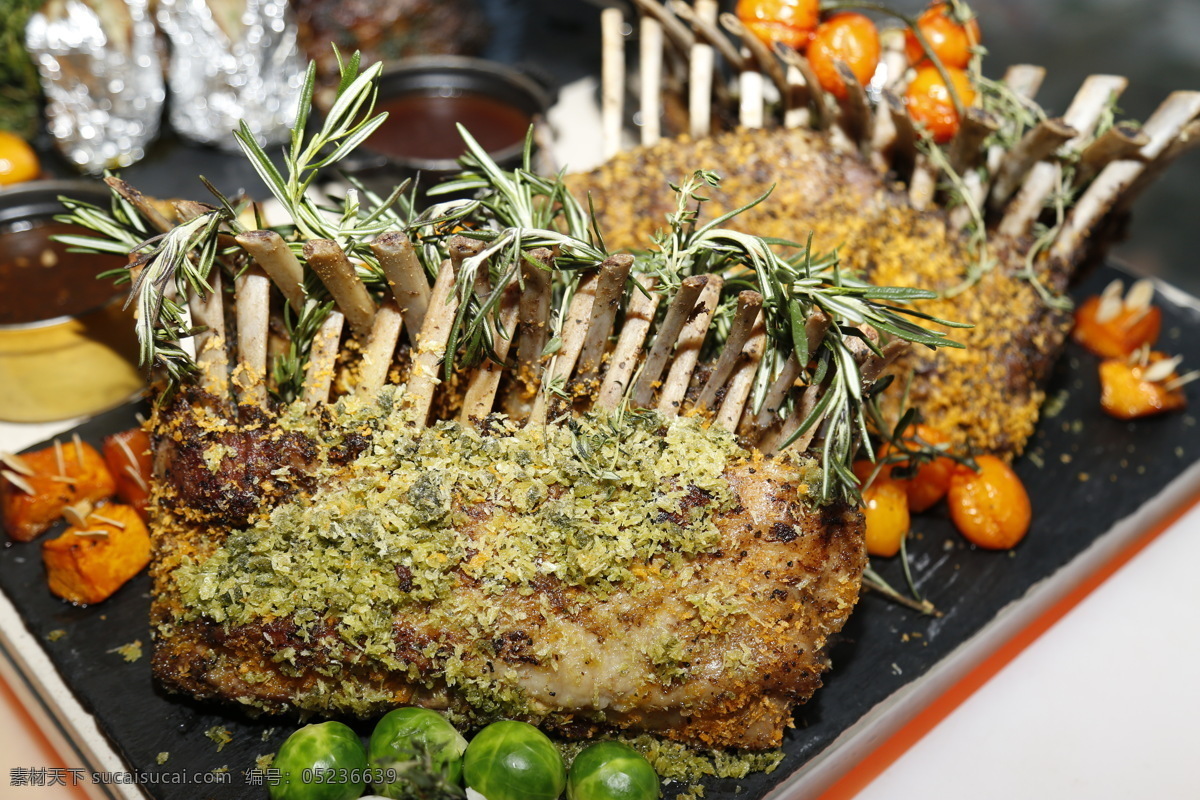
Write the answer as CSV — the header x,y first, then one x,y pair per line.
x,y
885,507
931,480
18,161
789,22
1129,391
1116,336
849,38
929,102
989,507
950,40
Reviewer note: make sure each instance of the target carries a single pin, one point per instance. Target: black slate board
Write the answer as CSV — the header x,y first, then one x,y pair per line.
x,y
1084,472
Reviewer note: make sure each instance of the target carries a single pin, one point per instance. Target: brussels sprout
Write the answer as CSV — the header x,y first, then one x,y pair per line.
x,y
324,761
414,734
611,771
514,761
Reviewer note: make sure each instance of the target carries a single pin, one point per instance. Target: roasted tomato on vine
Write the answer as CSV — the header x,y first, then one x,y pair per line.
x,y
949,39
885,509
930,104
849,38
927,481
789,22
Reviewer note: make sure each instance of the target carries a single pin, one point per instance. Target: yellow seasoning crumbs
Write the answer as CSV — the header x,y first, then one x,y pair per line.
x,y
55,635
220,735
130,652
264,762
161,758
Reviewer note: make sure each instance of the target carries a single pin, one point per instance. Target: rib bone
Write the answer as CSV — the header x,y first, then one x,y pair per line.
x,y
380,348
322,360
691,339
638,318
253,293
667,337
334,269
406,277
745,316
1039,143
271,253
431,342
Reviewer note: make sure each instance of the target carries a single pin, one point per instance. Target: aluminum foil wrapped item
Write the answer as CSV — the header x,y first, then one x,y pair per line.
x,y
100,70
232,60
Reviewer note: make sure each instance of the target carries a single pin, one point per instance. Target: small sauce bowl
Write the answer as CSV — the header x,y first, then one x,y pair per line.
x,y
424,98
67,348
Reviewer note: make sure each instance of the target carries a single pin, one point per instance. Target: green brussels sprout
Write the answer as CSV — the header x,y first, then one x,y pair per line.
x,y
611,771
414,734
324,761
514,761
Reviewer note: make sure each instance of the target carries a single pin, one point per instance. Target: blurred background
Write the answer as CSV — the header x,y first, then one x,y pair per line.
x,y
1155,43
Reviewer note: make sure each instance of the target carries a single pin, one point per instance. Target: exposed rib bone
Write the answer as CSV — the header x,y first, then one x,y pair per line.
x,y
533,331
750,103
142,203
1187,139
874,365
406,277
904,145
612,80
1039,143
667,337
211,358
703,19
816,95
691,339
322,360
573,333
334,269
1121,141
1082,115
610,288
742,382
676,31
1163,126
1024,79
749,305
768,64
772,443
966,150
796,113
380,348
271,253
481,390
650,73
253,307
639,316
856,110
701,62
893,57
815,328
431,342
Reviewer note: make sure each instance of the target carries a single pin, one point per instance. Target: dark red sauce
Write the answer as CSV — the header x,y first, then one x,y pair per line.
x,y
422,125
40,280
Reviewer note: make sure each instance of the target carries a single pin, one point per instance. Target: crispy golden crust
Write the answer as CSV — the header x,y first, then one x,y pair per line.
x,y
986,396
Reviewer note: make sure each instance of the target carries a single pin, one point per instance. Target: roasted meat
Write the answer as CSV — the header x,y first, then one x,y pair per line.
x,y
659,579
985,396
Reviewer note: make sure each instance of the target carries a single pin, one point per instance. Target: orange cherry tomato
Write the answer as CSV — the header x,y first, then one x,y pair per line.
x,y
18,161
931,481
1129,391
929,102
1116,336
849,38
885,507
789,22
990,507
950,40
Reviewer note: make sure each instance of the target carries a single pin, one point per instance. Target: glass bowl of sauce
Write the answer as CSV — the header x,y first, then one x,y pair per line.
x,y
67,348
425,97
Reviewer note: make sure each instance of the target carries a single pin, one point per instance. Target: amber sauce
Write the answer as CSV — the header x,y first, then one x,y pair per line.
x,y
422,125
40,280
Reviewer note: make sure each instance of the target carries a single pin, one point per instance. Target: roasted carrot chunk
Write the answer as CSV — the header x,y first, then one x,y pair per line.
x,y
87,564
60,476
989,507
1132,389
1111,329
128,457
